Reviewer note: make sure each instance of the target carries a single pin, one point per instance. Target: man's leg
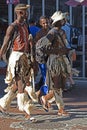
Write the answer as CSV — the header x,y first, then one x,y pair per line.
x,y
24,104
5,101
59,83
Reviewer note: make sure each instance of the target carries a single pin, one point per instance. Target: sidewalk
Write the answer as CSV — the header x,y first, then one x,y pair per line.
x,y
75,104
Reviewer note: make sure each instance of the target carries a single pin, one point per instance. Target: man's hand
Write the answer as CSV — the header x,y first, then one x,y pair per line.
x,y
30,40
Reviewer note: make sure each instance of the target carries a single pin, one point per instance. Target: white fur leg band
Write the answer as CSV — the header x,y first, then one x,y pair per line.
x,y
5,101
32,94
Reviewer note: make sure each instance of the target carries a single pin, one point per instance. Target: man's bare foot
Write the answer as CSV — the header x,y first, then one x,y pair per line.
x,y
62,112
49,105
27,117
2,109
44,103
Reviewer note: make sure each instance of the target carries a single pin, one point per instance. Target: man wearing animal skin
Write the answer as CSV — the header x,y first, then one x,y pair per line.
x,y
18,70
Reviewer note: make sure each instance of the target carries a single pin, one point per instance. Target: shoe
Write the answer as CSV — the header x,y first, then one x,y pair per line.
x,y
74,85
33,120
66,89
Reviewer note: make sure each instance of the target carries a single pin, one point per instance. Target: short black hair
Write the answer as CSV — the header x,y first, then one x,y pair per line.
x,y
43,17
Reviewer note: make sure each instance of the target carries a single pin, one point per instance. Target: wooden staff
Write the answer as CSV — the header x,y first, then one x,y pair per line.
x,y
32,60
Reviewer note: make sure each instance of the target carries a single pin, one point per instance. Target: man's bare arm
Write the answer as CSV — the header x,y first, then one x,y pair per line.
x,y
7,38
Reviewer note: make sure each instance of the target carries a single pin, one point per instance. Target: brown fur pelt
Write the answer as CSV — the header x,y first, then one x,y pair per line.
x,y
23,67
59,82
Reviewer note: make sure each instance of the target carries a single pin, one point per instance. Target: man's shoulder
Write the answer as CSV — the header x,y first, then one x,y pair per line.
x,y
11,29
12,26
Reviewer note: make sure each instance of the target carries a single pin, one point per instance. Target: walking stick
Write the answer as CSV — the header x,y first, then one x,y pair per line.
x,y
49,73
32,59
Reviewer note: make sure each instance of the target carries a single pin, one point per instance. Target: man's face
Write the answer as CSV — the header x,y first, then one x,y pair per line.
x,y
23,14
44,23
63,22
59,23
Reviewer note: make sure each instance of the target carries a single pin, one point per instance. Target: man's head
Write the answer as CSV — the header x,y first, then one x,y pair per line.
x,y
57,18
66,18
43,21
66,15
21,10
